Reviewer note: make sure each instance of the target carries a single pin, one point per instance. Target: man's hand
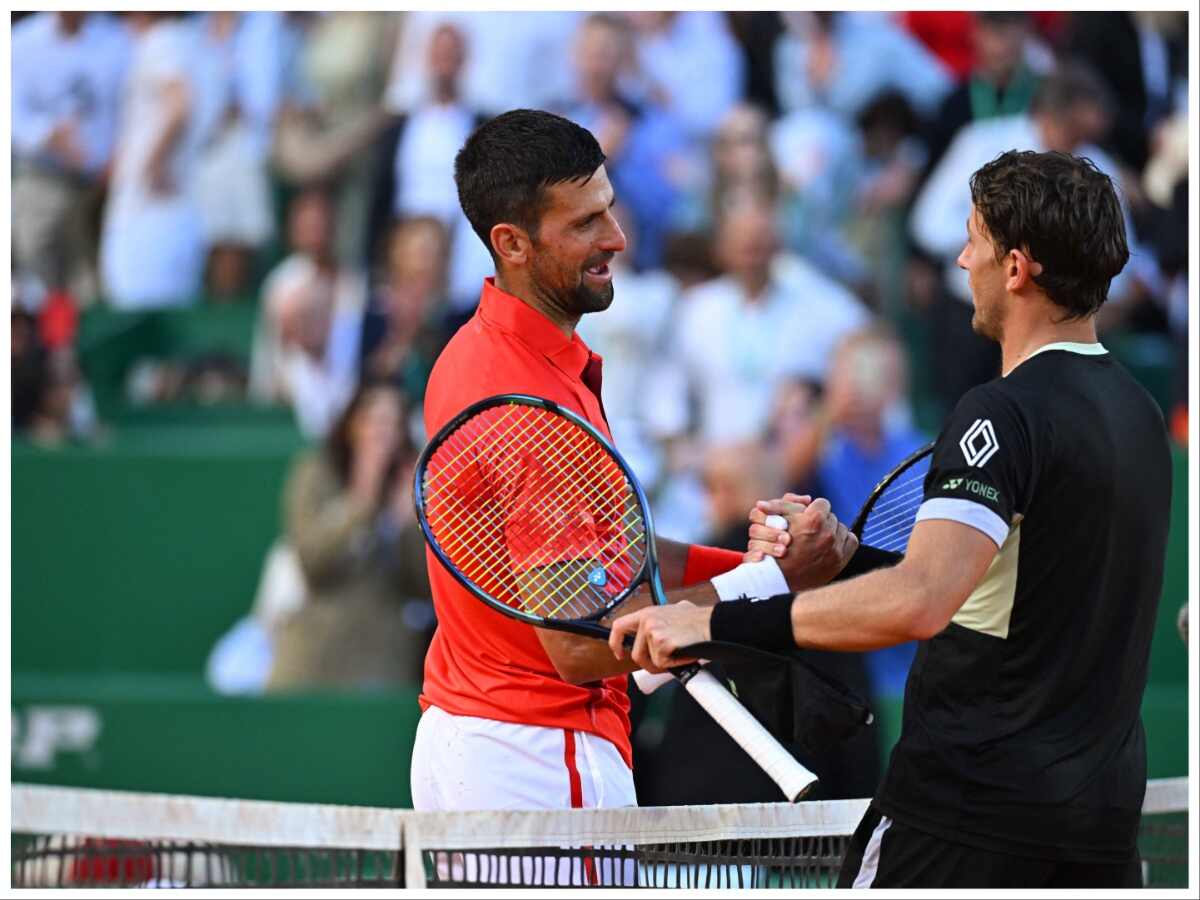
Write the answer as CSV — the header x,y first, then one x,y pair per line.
x,y
814,549
660,631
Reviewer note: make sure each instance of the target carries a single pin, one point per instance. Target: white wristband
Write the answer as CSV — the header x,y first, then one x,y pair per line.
x,y
757,580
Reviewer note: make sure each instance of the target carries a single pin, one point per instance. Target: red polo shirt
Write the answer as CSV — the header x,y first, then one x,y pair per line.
x,y
481,662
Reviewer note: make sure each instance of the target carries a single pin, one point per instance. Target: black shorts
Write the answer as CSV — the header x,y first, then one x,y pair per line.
x,y
885,853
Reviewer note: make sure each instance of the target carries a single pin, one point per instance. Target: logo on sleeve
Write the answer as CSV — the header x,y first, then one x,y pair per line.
x,y
979,444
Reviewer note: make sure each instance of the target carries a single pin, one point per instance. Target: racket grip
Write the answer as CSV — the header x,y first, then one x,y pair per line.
x,y
648,683
760,745
774,521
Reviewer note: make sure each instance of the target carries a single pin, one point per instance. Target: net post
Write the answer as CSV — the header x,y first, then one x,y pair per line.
x,y
410,846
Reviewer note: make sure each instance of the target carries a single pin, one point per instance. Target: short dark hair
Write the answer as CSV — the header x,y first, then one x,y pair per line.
x,y
1063,212
503,169
1070,84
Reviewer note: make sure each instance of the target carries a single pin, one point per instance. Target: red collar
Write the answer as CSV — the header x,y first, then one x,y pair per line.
x,y
513,315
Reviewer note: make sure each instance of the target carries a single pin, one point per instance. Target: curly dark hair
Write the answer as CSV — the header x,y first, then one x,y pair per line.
x,y
505,166
1064,213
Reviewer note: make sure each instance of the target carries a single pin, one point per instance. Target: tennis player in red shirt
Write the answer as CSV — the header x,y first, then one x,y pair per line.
x,y
515,716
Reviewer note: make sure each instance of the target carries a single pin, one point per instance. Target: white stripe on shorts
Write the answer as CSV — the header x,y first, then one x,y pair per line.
x,y
870,861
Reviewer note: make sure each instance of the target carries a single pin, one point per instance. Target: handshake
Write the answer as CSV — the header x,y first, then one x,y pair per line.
x,y
804,538
795,544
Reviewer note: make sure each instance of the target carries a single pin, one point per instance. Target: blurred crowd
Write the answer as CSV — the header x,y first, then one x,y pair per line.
x,y
793,187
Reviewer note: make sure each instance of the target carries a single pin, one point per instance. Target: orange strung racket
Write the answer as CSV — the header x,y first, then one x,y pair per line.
x,y
535,513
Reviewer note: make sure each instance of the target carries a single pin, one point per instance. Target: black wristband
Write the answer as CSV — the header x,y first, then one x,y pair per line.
x,y
765,624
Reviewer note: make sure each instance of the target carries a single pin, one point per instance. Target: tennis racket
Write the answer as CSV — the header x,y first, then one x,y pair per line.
x,y
888,515
536,514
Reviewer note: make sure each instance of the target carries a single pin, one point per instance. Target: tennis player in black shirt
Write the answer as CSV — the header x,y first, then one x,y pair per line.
x,y
1032,577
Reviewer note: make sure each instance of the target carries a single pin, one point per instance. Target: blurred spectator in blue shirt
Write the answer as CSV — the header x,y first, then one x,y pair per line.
x,y
68,71
840,446
689,64
842,60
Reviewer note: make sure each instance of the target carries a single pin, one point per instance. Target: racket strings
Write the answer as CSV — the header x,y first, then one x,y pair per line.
x,y
597,457
509,494
890,521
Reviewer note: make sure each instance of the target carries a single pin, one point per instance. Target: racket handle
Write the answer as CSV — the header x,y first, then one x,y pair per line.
x,y
760,745
648,683
774,521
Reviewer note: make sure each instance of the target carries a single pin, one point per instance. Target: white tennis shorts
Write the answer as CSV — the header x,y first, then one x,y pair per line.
x,y
464,762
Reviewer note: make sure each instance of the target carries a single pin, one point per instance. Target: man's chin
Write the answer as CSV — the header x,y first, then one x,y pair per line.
x,y
985,329
591,300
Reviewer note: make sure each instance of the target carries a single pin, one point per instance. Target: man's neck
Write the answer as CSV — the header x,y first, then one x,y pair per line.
x,y
1024,338
753,284
524,291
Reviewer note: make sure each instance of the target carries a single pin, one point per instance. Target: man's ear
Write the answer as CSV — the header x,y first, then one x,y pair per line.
x,y
510,243
1019,270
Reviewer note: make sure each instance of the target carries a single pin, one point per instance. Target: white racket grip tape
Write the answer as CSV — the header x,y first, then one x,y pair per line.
x,y
760,745
648,682
774,521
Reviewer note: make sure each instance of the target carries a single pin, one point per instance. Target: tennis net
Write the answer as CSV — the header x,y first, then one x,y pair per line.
x,y
89,838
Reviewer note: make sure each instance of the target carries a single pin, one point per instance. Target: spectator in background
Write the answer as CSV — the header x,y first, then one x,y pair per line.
x,y
842,60
688,64
770,316
239,76
402,332
516,59
890,167
841,446
415,174
152,244
332,114
1070,113
68,71
366,619
1000,83
1142,57
638,139
306,346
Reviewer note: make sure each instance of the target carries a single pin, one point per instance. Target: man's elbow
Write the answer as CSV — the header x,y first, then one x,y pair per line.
x,y
927,610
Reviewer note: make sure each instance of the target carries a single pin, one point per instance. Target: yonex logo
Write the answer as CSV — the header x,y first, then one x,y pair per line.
x,y
598,576
951,484
979,444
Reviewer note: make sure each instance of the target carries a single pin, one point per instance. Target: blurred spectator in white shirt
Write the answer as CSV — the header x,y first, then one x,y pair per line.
x,y
769,318
690,64
239,82
68,71
516,59
842,60
307,340
152,246
415,174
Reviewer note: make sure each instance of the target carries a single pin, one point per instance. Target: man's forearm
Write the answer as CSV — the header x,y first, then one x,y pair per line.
x,y
580,659
879,609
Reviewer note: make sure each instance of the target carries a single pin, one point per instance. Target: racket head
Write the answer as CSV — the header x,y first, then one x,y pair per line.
x,y
888,515
533,511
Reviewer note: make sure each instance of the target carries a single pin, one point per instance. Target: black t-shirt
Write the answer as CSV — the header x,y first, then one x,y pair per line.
x,y
1022,727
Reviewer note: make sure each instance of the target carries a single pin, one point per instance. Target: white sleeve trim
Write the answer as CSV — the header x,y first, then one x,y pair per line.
x,y
968,512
